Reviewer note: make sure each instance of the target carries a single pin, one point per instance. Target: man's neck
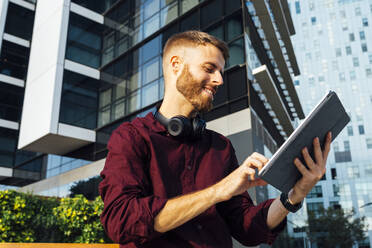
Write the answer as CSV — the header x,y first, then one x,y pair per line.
x,y
173,107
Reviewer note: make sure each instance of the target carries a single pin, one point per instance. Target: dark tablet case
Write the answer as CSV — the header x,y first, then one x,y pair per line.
x,y
328,115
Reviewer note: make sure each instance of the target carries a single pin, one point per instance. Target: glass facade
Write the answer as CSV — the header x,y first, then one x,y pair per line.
x,y
11,101
8,145
61,164
19,21
84,41
14,60
79,100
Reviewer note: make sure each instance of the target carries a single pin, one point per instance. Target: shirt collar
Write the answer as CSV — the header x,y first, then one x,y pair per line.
x,y
154,124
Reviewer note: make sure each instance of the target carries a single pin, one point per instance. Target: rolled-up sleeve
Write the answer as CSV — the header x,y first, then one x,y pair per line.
x,y
247,222
129,204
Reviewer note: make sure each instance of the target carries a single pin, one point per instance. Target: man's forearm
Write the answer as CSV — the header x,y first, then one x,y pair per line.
x,y
181,209
277,213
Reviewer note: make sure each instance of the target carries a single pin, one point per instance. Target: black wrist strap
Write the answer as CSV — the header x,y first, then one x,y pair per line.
x,y
286,203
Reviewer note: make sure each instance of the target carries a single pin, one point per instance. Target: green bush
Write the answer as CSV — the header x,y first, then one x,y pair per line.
x,y
31,218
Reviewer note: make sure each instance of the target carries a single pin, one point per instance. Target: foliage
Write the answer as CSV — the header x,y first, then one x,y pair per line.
x,y
30,218
79,220
88,188
335,228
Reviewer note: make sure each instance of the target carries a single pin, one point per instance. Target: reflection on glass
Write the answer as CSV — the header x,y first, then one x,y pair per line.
x,y
217,32
134,101
104,116
119,109
234,28
151,7
135,81
169,13
150,93
151,25
137,35
105,98
120,90
186,5
236,52
151,71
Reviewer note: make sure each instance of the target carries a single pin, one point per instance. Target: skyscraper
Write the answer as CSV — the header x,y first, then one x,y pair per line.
x,y
333,47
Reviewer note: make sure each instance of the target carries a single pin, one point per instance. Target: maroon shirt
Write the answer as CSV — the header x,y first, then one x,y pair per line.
x,y
145,167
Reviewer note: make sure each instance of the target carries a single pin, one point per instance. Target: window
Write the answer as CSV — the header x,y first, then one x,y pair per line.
x,y
351,37
334,65
361,129
365,22
362,35
311,80
335,146
364,47
346,145
321,79
338,52
333,173
297,82
19,21
368,167
350,131
353,171
341,76
370,58
298,8
313,20
314,207
357,11
352,75
315,192
369,144
186,5
336,190
348,50
368,72
355,62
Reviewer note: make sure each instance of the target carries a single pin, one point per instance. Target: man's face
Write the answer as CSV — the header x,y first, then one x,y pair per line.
x,y
200,78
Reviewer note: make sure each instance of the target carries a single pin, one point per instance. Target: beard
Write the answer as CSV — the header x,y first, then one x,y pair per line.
x,y
192,89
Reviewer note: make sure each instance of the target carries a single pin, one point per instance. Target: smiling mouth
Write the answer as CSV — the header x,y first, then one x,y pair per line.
x,y
209,92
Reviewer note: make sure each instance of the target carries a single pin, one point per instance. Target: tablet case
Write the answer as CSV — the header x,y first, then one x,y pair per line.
x,y
328,115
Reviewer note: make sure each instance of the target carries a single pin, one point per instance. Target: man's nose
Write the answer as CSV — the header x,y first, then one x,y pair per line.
x,y
217,78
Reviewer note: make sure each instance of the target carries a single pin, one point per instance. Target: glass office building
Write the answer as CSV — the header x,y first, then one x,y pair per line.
x,y
73,70
334,50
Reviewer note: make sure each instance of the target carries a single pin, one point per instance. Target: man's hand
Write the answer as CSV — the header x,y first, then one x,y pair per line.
x,y
315,171
242,178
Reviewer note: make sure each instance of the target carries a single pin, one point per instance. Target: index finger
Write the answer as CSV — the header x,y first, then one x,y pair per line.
x,y
259,157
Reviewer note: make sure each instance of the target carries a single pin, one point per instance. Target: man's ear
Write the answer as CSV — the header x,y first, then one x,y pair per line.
x,y
176,64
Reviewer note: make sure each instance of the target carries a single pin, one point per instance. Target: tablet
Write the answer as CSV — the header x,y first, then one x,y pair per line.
x,y
328,115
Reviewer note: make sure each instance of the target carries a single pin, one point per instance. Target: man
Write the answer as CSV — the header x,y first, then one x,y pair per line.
x,y
165,188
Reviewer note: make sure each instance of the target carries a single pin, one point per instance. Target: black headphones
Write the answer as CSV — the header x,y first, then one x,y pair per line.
x,y
181,126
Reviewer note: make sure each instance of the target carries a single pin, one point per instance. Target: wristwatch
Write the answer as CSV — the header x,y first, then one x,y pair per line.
x,y
287,204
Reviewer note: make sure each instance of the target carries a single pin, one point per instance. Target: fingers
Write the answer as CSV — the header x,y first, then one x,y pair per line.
x,y
327,146
301,167
317,151
309,161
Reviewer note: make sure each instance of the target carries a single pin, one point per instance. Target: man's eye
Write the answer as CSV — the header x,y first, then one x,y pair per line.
x,y
207,69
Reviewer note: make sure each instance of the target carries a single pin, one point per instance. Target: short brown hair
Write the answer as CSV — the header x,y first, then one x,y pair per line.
x,y
195,38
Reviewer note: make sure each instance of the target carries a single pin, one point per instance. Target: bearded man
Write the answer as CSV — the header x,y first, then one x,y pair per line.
x,y
169,182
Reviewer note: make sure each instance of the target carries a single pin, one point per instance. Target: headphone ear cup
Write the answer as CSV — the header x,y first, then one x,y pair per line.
x,y
175,126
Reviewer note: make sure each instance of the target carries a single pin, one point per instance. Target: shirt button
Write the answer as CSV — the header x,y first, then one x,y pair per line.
x,y
199,226
189,167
